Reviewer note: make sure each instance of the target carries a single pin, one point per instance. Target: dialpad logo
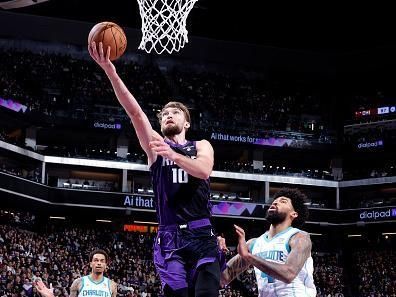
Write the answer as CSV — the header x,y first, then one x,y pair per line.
x,y
378,143
378,214
115,126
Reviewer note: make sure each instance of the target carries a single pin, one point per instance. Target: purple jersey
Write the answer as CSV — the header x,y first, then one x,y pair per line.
x,y
179,197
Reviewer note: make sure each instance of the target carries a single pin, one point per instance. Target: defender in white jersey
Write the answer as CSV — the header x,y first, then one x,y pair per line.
x,y
281,256
93,285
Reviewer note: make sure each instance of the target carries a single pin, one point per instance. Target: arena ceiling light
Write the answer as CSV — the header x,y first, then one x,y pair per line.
x,y
354,235
389,233
19,3
104,221
315,234
144,222
57,218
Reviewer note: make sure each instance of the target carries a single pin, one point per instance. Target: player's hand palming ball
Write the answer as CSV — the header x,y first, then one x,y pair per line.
x,y
110,34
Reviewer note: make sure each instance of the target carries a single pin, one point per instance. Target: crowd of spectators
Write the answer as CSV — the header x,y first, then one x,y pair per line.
x,y
58,253
365,198
375,272
22,220
59,256
30,174
57,83
65,85
84,184
328,275
248,104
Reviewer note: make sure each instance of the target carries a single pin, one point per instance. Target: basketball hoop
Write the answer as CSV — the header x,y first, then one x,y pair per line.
x,y
164,24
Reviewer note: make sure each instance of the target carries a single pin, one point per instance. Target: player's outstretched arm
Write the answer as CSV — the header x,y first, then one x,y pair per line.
x,y
300,245
139,119
235,266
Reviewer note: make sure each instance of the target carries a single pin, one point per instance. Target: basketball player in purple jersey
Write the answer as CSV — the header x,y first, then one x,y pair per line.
x,y
186,253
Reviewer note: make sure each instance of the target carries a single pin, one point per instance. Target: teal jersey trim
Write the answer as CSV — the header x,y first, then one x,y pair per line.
x,y
277,235
96,283
287,244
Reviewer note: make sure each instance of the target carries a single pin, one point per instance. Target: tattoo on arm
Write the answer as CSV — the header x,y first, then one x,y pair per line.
x,y
75,287
300,245
235,266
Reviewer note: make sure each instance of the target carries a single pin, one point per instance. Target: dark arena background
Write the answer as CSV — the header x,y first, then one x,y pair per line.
x,y
286,96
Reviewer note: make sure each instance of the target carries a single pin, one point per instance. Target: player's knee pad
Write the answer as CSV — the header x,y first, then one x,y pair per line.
x,y
208,280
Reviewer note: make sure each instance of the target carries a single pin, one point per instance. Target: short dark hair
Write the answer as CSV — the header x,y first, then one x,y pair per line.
x,y
298,200
98,251
179,105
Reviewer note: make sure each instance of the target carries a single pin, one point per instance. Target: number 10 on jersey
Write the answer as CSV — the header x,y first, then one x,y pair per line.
x,y
179,176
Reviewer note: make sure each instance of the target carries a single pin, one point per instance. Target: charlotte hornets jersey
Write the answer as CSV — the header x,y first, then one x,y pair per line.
x,y
90,288
277,250
179,197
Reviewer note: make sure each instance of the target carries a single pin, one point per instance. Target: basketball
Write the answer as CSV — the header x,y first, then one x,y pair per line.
x,y
110,34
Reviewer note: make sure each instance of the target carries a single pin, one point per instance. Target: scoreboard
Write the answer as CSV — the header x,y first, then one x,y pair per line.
x,y
384,110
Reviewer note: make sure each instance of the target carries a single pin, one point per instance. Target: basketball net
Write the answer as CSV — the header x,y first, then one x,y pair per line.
x,y
164,24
